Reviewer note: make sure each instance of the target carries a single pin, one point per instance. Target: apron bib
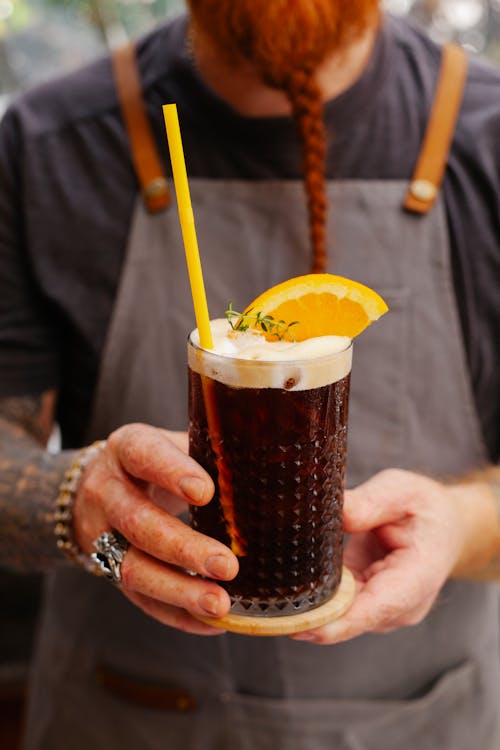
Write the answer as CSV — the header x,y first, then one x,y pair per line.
x,y
430,686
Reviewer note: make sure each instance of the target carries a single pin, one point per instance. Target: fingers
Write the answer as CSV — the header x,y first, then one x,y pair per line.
x,y
402,548
148,577
179,439
172,616
385,498
133,486
394,596
162,535
361,551
166,500
150,454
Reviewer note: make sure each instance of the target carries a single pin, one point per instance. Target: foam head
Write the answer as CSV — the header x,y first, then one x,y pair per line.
x,y
245,359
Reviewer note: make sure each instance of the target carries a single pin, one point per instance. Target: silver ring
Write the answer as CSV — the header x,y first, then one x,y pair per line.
x,y
111,549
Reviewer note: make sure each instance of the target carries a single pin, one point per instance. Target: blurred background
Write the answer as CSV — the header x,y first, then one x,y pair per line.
x,y
43,38
39,38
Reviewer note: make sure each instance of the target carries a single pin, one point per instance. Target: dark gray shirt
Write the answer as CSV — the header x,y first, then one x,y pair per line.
x,y
67,189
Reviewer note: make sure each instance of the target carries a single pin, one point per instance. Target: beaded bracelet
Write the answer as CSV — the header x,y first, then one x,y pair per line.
x,y
63,514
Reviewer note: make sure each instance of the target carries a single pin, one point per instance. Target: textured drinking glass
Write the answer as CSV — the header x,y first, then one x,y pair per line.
x,y
275,448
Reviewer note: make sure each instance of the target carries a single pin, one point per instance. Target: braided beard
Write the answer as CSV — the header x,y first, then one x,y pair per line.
x,y
285,41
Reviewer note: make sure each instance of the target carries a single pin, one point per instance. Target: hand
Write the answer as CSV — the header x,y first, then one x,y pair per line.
x,y
134,485
406,537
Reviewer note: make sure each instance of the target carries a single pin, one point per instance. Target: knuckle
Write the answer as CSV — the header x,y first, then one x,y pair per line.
x,y
133,455
421,592
389,629
116,438
124,434
417,615
92,485
387,613
132,522
415,618
184,553
394,475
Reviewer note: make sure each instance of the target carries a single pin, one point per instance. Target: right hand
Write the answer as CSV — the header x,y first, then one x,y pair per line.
x,y
135,485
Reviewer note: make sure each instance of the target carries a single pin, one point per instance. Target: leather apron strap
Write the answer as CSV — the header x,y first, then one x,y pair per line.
x,y
431,164
147,163
429,171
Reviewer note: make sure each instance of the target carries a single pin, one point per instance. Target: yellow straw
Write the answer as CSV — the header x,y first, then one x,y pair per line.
x,y
187,225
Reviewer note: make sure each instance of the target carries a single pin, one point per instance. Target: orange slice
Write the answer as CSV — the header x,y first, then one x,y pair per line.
x,y
323,305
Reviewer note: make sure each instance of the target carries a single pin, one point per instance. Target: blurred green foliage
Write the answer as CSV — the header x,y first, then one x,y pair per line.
x,y
21,14
130,12
41,38
135,15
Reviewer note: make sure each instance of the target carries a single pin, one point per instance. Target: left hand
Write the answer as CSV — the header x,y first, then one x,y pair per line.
x,y
406,537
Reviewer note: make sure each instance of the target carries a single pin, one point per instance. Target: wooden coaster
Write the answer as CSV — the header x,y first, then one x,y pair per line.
x,y
330,610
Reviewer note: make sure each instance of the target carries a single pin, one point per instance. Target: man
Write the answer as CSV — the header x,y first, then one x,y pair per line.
x,y
94,305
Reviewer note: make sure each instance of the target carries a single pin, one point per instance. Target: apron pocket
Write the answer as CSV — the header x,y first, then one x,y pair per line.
x,y
443,718
379,367
111,710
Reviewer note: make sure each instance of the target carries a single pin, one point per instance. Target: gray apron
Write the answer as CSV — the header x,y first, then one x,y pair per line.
x,y
431,686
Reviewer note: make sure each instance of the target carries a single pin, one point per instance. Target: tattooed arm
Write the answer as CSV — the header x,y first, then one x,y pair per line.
x,y
135,485
29,481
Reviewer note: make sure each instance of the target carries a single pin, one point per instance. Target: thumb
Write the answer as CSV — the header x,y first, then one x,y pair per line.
x,y
385,498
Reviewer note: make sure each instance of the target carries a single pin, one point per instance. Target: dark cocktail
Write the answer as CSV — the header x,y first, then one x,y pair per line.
x,y
272,434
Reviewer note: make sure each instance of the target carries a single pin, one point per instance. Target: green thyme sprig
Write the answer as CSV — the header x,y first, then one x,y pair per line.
x,y
267,323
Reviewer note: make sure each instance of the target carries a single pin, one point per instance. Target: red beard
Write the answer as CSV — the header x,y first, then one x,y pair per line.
x,y
280,37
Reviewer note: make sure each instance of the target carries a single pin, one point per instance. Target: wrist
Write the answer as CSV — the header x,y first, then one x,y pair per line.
x,y
63,514
478,510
